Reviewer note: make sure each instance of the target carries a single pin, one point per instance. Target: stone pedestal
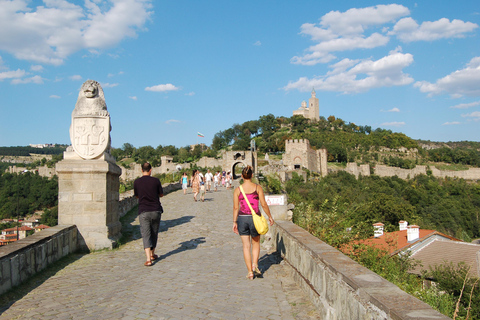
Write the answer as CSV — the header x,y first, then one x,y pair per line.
x,y
88,197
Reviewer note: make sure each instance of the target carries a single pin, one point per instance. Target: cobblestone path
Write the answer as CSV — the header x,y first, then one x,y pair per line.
x,y
200,275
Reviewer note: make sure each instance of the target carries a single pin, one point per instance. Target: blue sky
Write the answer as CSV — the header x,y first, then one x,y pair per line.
x,y
170,69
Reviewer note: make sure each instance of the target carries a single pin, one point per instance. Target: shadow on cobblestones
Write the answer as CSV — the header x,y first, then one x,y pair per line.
x,y
166,224
184,246
268,260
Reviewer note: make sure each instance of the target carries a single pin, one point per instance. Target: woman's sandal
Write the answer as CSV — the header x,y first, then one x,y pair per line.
x,y
154,257
256,271
148,264
250,276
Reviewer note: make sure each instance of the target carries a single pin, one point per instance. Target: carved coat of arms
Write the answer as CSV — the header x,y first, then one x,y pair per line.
x,y
90,128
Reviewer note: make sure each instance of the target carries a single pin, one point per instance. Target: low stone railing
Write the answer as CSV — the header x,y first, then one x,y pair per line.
x,y
22,259
339,287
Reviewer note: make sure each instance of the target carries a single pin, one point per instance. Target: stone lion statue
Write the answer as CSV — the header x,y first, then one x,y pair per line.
x,y
91,101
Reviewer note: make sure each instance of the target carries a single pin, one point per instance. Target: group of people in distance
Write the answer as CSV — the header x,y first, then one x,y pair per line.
x,y
149,190
201,184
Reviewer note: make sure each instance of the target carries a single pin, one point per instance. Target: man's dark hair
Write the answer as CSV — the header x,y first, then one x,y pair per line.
x,y
146,167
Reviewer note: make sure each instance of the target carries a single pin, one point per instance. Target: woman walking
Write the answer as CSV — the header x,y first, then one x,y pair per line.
x,y
184,182
243,221
195,184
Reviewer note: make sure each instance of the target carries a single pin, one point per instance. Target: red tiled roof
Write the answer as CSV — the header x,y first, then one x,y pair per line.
x,y
42,226
396,241
22,228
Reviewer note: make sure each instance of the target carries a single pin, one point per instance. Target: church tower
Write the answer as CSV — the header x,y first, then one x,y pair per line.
x,y
313,107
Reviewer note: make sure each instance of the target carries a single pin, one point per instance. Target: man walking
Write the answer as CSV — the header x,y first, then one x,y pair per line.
x,y
148,190
208,180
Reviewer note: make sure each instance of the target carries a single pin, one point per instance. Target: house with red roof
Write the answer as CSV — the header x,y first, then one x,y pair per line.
x,y
410,238
428,247
22,232
41,227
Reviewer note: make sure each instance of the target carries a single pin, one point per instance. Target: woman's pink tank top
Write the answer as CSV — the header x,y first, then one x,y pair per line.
x,y
253,199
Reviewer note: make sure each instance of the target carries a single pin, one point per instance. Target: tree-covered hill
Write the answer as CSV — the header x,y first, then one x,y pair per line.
x,y
27,150
345,142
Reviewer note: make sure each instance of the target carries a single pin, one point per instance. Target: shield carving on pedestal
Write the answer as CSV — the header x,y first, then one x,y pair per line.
x,y
90,135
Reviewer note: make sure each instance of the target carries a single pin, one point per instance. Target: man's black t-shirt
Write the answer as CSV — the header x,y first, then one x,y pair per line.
x,y
148,189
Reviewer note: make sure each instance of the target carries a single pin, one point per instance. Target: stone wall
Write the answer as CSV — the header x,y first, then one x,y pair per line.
x,y
42,171
339,287
387,171
356,170
23,258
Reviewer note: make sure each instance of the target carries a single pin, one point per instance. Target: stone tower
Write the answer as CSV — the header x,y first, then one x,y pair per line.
x,y
313,107
310,111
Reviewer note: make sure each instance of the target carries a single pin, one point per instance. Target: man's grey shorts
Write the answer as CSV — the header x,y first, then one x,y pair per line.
x,y
149,225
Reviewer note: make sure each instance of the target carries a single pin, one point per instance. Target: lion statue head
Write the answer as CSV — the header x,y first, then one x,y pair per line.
x,y
91,101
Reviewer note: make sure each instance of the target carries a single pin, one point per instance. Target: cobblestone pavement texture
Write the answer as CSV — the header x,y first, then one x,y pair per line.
x,y
200,275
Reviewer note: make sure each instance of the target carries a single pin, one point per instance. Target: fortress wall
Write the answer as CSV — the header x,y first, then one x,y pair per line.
x,y
356,170
339,287
470,174
386,171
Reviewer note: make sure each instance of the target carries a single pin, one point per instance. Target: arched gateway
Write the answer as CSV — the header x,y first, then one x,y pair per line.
x,y
233,160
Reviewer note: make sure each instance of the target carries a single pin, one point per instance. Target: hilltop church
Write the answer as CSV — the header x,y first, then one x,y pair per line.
x,y
312,111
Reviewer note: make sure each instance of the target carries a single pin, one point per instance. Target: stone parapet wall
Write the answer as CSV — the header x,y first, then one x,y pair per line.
x,y
387,171
470,174
339,287
24,258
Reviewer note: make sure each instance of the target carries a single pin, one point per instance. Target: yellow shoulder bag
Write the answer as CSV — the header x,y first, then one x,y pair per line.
x,y
259,220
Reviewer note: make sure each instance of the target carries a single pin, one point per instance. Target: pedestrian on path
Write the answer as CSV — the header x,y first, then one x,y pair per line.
x,y
148,190
228,180
208,180
184,182
243,221
202,191
195,184
216,180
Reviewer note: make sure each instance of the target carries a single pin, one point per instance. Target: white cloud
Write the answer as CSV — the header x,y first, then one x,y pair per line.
x,y
12,74
114,74
355,21
172,121
109,85
394,110
321,52
408,29
190,94
75,77
36,68
34,79
466,105
451,123
258,43
162,88
50,32
342,31
475,115
459,83
133,98
53,96
362,75
393,124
